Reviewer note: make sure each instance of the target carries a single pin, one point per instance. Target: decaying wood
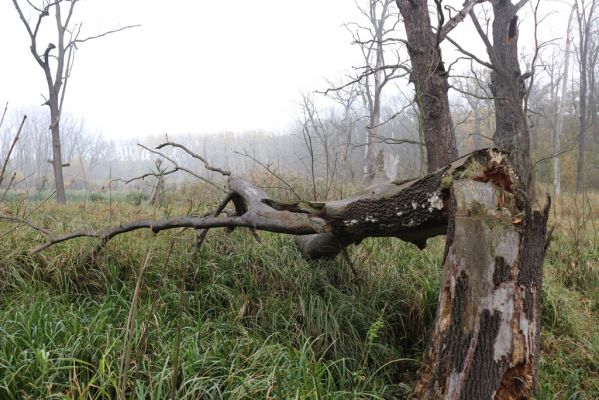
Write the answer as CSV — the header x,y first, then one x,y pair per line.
x,y
486,337
412,210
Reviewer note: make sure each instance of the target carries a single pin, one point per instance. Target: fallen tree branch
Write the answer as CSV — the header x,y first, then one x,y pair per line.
x,y
413,211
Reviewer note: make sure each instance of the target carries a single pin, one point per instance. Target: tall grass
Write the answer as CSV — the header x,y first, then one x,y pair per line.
x,y
248,320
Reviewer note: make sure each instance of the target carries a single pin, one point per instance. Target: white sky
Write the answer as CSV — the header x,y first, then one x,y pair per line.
x,y
193,66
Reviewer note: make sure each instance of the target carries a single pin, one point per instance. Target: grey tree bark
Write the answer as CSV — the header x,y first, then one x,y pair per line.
x,y
486,338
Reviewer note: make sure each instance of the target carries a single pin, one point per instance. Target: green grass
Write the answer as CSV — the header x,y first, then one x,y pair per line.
x,y
248,320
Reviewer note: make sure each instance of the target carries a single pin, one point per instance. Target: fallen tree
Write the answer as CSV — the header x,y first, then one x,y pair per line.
x,y
485,341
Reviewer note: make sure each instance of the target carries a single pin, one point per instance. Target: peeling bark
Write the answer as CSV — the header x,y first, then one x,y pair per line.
x,y
486,337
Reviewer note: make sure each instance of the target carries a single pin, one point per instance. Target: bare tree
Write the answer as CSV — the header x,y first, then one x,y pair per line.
x,y
475,91
588,53
486,338
560,104
346,125
375,44
56,65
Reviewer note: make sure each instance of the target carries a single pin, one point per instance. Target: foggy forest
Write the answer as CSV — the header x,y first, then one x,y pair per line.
x,y
421,225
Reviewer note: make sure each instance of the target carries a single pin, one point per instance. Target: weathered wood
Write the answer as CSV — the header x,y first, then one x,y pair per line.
x,y
412,211
486,337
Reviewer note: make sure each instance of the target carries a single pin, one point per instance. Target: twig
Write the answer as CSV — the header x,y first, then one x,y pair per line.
x,y
180,168
74,42
270,171
25,220
10,150
3,114
194,155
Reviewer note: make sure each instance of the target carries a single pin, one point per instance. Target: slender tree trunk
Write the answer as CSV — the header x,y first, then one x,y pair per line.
x,y
477,135
57,151
561,109
585,16
430,78
583,123
375,109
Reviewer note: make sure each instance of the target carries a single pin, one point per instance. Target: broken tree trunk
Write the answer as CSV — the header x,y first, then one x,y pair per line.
x,y
486,338
485,342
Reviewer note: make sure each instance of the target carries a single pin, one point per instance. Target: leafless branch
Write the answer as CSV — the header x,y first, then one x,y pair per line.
x,y
459,17
178,167
3,114
194,155
469,54
10,150
74,42
270,171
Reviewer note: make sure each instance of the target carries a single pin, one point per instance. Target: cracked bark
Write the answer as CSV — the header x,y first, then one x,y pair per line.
x,y
486,337
430,80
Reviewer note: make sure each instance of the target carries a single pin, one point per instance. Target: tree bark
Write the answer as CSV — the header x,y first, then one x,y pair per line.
x,y
57,163
486,337
508,88
413,210
430,80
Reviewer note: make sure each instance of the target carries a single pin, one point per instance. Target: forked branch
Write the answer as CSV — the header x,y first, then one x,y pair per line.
x,y
412,210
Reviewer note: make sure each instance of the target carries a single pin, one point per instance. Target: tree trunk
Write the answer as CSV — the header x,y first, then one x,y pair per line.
x,y
508,87
57,152
585,17
477,134
583,122
557,133
486,338
430,79
374,99
412,210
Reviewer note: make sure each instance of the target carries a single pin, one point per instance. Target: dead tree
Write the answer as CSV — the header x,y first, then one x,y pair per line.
x,y
588,52
374,43
508,85
57,66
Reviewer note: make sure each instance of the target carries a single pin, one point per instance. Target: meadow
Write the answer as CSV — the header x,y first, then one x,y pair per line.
x,y
151,318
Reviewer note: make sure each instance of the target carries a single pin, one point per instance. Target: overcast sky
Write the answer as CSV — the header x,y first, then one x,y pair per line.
x,y
193,65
